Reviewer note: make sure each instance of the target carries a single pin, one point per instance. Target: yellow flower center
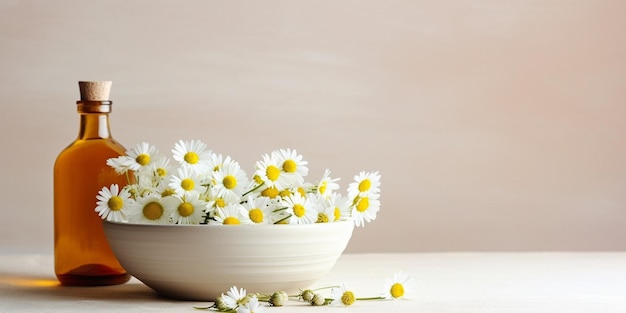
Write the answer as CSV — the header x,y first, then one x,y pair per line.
x,y
302,192
285,193
161,172
347,298
185,209
289,166
397,290
322,188
363,204
258,179
191,157
230,182
153,210
322,218
216,168
270,192
337,213
187,184
143,159
365,185
272,172
115,203
219,202
256,215
231,220
168,192
298,210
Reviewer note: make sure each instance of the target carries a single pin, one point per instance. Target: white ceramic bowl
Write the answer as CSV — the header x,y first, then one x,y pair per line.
x,y
200,262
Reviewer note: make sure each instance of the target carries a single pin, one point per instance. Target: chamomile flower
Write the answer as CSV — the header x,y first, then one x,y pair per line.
x,y
192,155
185,181
400,286
271,192
157,172
142,155
327,185
268,170
365,208
254,186
113,203
229,181
341,207
365,183
231,214
259,209
250,306
300,209
121,164
234,297
216,161
190,209
305,188
152,209
325,213
204,187
342,296
213,204
287,192
145,184
292,165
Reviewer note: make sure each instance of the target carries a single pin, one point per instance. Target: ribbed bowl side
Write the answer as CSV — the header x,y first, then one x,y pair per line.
x,y
199,262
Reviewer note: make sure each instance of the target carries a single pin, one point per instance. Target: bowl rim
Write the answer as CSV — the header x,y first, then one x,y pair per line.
x,y
312,225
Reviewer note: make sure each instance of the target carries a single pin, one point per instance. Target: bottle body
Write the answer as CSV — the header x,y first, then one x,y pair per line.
x,y
82,253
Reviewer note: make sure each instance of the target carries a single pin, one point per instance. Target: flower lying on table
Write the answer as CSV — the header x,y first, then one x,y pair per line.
x,y
238,300
202,187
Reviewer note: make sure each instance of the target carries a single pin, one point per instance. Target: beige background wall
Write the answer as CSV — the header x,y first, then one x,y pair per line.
x,y
497,125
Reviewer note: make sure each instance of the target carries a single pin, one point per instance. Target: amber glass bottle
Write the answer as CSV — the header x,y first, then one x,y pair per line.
x,y
82,255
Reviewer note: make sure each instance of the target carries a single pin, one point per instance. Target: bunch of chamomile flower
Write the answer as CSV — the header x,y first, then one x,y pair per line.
x,y
400,286
198,186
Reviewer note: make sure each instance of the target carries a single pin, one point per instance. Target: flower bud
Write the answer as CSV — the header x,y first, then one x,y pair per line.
x,y
307,295
318,300
278,298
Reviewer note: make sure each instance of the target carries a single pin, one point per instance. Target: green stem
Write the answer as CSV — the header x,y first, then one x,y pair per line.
x,y
328,287
263,298
282,219
207,190
127,177
253,189
371,298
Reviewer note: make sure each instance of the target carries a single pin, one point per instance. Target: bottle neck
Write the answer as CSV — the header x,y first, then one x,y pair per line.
x,y
94,119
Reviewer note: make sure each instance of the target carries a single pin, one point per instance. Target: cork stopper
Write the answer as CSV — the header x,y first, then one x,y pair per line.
x,y
94,90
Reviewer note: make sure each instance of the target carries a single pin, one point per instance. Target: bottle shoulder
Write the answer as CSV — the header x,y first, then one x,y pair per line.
x,y
100,149
101,143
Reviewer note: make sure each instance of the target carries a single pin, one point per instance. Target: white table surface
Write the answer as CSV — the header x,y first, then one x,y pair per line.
x,y
445,282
